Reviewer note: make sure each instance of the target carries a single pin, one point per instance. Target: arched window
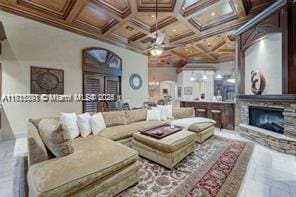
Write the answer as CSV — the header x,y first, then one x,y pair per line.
x,y
102,70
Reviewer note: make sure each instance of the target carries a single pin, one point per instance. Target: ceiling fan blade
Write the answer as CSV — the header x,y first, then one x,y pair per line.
x,y
160,38
166,48
177,45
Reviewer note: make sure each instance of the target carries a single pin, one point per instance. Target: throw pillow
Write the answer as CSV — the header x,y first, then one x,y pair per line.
x,y
153,114
83,121
55,137
167,110
70,121
162,112
97,123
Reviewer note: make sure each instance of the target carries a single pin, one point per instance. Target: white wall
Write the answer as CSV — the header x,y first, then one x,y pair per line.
x,y
161,74
35,44
265,56
198,87
223,68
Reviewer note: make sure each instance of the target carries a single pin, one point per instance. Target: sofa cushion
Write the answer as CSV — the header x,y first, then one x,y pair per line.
x,y
114,118
199,127
135,115
144,124
126,131
95,157
168,144
55,137
183,112
118,132
37,151
36,121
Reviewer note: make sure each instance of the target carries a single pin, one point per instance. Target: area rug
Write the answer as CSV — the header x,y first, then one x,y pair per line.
x,y
215,168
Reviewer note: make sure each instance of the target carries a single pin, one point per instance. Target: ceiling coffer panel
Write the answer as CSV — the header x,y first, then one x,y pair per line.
x,y
190,29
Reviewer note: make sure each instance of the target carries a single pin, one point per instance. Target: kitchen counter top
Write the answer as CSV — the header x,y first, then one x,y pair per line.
x,y
209,101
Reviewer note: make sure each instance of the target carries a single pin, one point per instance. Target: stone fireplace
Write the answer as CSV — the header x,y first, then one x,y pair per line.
x,y
266,82
269,123
271,119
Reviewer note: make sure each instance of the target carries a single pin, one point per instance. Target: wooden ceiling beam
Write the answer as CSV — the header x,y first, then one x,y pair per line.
x,y
122,22
91,21
219,45
75,11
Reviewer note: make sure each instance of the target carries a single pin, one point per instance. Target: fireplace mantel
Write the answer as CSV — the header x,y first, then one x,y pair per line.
x,y
268,98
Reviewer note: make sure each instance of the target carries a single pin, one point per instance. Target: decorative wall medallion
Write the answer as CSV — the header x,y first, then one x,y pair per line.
x,y
187,90
47,81
257,82
135,81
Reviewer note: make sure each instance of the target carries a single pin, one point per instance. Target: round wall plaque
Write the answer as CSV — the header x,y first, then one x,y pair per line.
x,y
135,81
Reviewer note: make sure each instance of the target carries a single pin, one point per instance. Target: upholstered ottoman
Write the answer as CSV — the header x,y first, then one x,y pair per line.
x,y
167,151
203,130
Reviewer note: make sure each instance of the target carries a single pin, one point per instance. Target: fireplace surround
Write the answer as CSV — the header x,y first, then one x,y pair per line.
x,y
285,142
280,19
271,119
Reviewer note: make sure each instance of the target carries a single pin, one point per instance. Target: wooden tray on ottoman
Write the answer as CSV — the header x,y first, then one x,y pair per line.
x,y
160,131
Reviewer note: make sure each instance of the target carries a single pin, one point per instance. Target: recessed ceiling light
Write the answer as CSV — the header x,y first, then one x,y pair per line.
x,y
153,16
213,14
174,30
129,28
186,49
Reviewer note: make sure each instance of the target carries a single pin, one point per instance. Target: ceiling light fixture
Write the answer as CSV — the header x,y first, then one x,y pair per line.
x,y
153,16
213,14
219,76
174,30
156,50
204,77
192,77
232,78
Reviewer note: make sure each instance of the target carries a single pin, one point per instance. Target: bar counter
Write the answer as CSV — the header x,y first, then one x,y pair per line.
x,y
227,109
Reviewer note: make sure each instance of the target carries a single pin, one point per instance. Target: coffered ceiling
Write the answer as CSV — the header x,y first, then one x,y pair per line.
x,y
196,30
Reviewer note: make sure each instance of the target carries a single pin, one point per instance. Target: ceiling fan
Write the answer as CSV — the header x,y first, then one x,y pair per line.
x,y
157,46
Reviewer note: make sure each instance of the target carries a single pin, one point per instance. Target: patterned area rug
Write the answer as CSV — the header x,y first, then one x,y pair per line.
x,y
216,168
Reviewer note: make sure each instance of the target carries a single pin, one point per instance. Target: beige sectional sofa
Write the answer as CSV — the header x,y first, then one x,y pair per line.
x,y
99,166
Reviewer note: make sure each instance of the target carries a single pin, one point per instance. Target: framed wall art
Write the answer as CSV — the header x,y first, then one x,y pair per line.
x,y
47,80
187,90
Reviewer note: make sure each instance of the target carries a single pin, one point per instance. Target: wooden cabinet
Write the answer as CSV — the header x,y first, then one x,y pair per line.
x,y
227,111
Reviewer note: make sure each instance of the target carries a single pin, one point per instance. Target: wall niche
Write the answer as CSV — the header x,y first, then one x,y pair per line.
x,y
268,43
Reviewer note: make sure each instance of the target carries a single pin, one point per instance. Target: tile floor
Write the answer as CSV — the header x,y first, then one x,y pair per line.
x,y
269,174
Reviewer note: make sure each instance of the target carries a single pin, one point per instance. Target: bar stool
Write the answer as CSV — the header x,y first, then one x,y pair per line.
x,y
201,112
217,116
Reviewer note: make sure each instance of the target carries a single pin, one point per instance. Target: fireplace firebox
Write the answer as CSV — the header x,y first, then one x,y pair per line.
x,y
271,119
